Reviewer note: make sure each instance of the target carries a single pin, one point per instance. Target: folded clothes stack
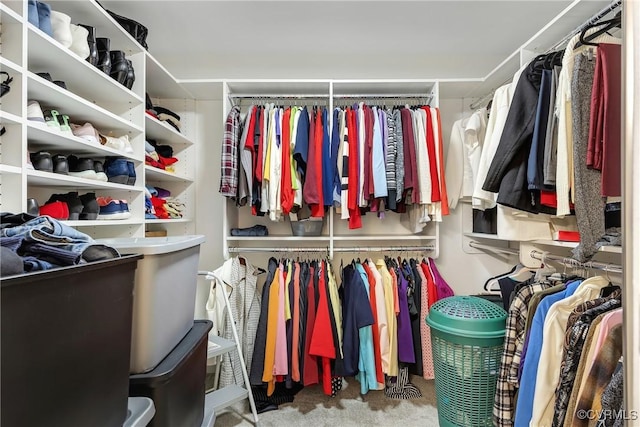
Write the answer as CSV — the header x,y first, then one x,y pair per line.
x,y
160,205
163,114
159,156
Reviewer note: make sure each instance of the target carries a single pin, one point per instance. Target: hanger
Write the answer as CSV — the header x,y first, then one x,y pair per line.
x,y
522,275
587,40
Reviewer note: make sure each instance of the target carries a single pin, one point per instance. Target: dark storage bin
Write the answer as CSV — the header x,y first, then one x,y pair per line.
x,y
177,384
486,221
66,342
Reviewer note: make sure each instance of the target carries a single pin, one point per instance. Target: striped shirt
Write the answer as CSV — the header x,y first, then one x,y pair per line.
x,y
229,158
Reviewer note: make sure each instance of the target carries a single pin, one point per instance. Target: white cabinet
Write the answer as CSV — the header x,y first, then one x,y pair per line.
x,y
90,97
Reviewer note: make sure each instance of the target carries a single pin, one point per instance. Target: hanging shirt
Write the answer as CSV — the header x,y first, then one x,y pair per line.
x,y
390,357
322,338
400,161
229,158
281,367
437,132
434,170
286,187
245,165
391,157
296,174
301,151
295,323
310,367
344,166
268,136
375,328
355,220
366,362
405,340
378,159
272,328
336,155
422,160
356,314
411,183
328,170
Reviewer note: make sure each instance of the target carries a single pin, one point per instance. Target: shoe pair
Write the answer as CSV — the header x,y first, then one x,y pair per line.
x,y
44,161
121,171
84,207
40,16
120,143
87,168
113,209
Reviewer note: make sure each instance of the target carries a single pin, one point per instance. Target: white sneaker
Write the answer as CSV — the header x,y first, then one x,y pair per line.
x,y
34,113
120,143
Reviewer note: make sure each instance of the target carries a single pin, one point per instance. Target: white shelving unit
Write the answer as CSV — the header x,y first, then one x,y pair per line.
x,y
91,97
335,234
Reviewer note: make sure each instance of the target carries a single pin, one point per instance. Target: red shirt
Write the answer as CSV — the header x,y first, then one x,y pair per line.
x,y
286,188
433,162
355,220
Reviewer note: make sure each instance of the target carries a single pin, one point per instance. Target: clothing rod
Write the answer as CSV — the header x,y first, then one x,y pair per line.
x,y
279,95
385,95
346,249
507,251
570,262
595,18
318,96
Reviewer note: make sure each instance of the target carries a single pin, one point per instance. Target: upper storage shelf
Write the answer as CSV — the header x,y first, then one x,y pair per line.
x,y
160,82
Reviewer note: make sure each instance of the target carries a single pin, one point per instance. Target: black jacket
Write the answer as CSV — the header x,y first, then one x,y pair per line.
x,y
507,174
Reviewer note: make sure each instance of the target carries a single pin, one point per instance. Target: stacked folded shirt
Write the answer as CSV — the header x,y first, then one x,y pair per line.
x,y
163,114
159,156
159,204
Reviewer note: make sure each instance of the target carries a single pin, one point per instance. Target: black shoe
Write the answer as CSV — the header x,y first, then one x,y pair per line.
x,y
81,167
132,173
90,207
99,168
73,202
42,161
60,164
60,83
131,76
119,66
104,60
93,48
45,76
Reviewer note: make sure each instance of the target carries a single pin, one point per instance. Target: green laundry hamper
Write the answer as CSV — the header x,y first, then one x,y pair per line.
x,y
467,337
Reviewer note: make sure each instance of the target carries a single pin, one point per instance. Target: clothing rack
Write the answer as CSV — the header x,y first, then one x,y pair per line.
x,y
570,262
271,96
595,18
354,249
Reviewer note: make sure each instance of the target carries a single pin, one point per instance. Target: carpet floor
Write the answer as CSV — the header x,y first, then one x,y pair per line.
x,y
312,408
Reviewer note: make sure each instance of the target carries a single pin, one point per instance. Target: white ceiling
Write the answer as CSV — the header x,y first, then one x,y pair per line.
x,y
339,39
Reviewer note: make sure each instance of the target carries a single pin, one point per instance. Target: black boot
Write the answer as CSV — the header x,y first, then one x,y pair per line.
x,y
93,49
119,66
131,76
104,60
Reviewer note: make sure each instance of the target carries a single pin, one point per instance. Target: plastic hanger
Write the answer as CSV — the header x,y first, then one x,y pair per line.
x,y
522,275
587,40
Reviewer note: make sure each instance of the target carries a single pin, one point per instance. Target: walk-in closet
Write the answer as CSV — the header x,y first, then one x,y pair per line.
x,y
285,213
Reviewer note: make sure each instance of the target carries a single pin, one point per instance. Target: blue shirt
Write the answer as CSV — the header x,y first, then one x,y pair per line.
x,y
301,149
367,361
524,406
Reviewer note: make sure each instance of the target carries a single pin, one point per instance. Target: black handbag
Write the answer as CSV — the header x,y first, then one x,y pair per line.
x,y
4,86
136,29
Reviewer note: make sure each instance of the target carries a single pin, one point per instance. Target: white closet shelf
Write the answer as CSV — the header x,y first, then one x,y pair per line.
x,y
542,242
6,169
167,221
10,16
99,222
160,82
44,138
6,63
383,237
155,129
81,77
156,174
274,238
383,87
78,109
10,119
90,13
49,179
275,87
483,236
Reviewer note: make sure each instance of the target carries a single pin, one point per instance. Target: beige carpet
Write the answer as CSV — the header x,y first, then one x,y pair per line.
x,y
312,408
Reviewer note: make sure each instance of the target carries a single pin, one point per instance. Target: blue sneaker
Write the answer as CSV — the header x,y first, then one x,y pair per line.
x,y
113,209
117,171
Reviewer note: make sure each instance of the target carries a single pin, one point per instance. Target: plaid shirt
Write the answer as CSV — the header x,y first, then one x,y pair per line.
x,y
504,403
229,158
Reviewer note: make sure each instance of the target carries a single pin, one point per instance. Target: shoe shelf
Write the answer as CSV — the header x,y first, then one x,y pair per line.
x,y
47,55
42,138
50,179
155,174
79,109
10,67
89,12
12,34
155,129
10,119
7,169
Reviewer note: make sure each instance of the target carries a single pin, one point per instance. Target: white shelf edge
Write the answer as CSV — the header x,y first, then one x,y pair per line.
x,y
161,174
100,222
272,238
181,139
10,169
542,242
8,63
167,221
382,238
6,9
4,115
483,236
54,178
